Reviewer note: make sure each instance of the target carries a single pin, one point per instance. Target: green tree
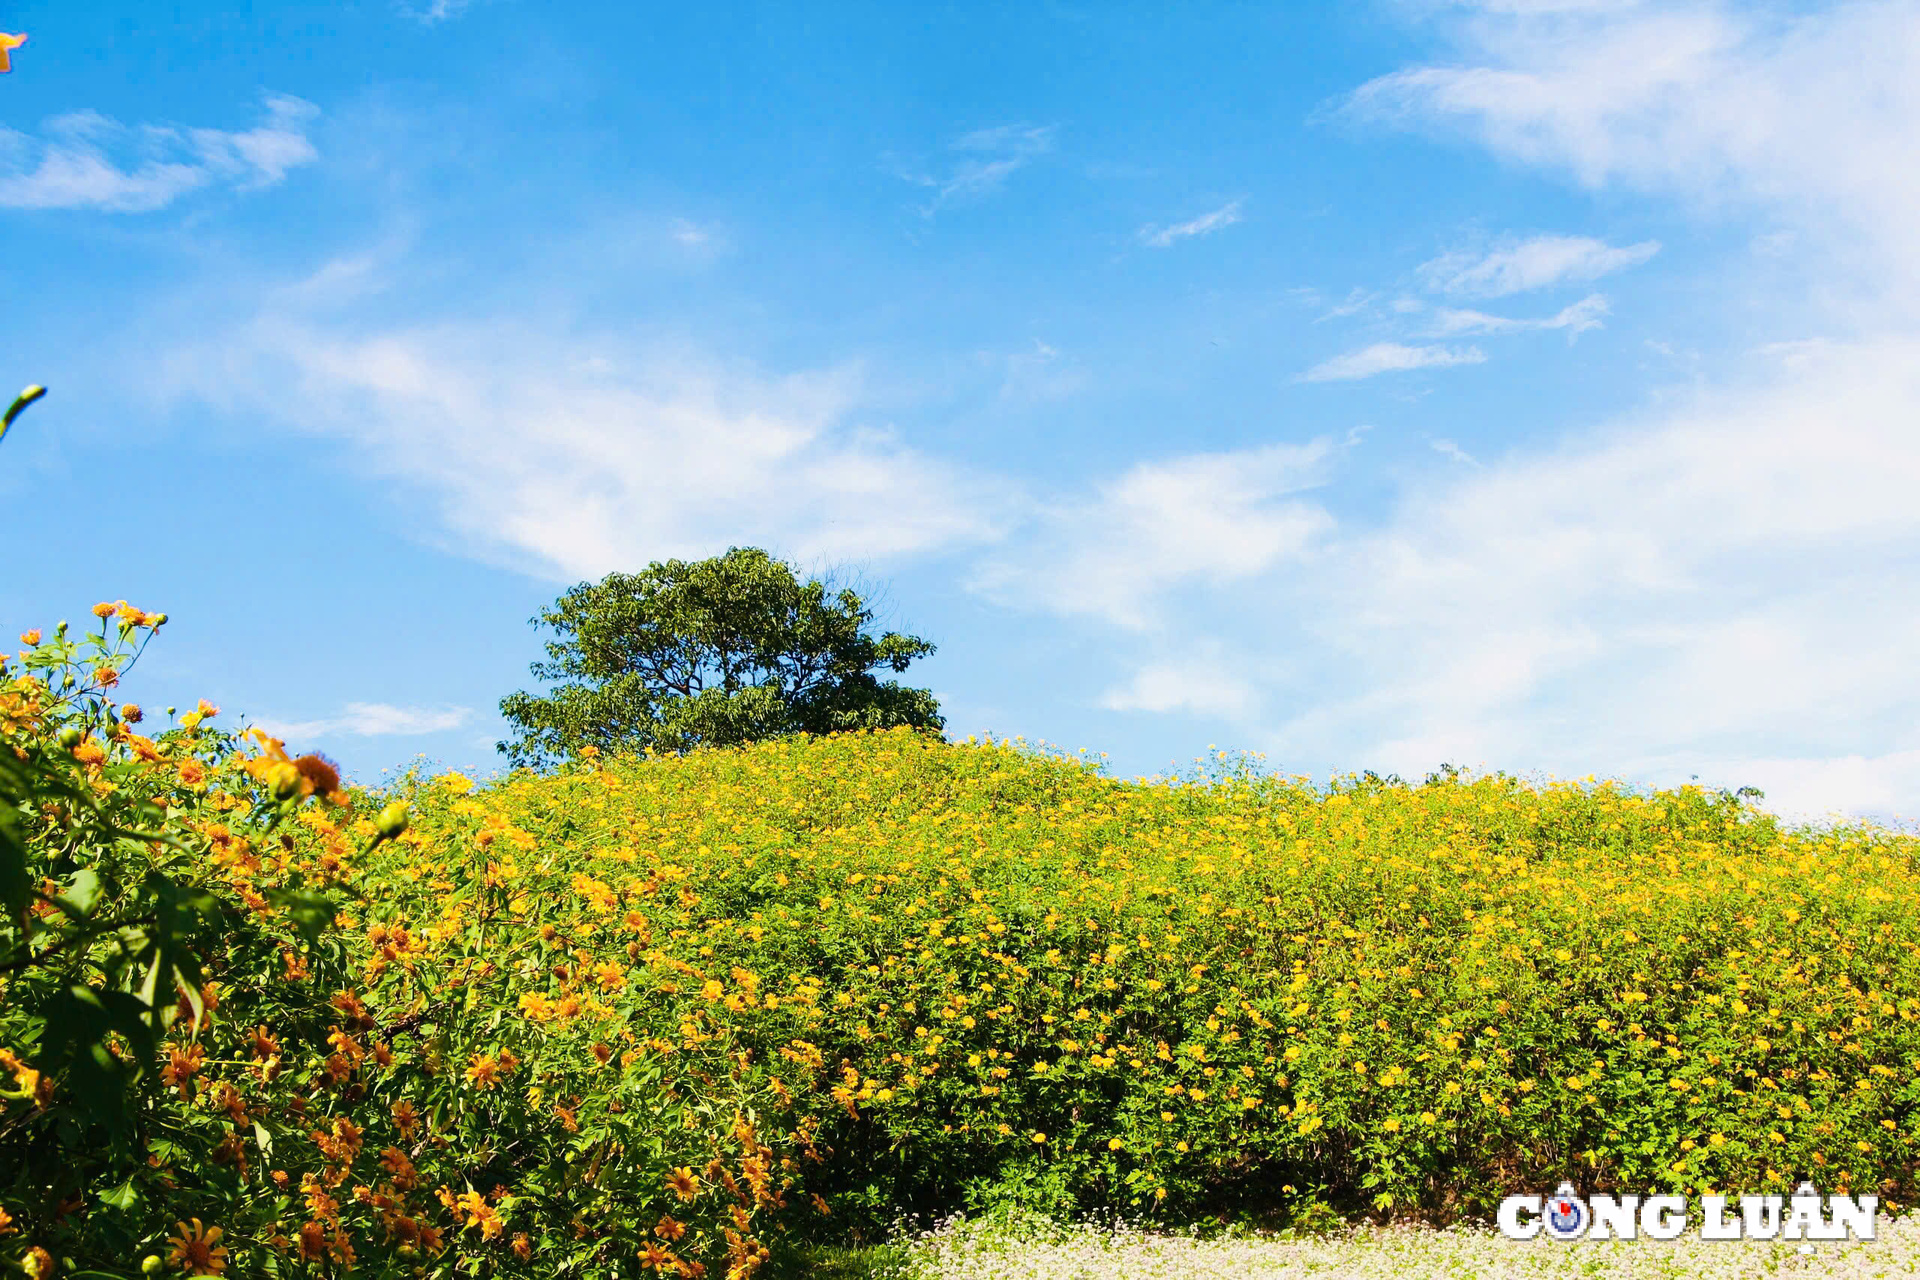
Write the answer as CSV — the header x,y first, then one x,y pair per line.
x,y
715,652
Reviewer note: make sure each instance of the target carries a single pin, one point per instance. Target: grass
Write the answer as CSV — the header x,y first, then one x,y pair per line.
x,y
1012,1249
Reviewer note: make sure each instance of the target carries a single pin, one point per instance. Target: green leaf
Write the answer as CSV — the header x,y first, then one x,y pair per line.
x,y
82,895
21,401
79,1021
311,913
124,1197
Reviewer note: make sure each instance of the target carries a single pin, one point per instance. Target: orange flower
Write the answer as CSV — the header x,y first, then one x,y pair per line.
x,y
522,1247
6,1223
405,1117
668,1229
399,1168
313,1242
318,774
683,1183
656,1258
197,1249
263,1045
131,713
483,1072
191,773
30,638
182,1066
473,1207
104,610
38,1261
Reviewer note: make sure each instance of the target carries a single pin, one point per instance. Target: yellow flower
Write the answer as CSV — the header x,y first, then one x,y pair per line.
x,y
197,1250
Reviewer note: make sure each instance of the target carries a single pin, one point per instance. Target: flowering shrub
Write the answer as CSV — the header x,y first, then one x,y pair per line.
x,y
222,1049
657,1016
980,972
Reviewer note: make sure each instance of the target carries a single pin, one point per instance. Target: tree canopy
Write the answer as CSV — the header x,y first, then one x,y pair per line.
x,y
715,652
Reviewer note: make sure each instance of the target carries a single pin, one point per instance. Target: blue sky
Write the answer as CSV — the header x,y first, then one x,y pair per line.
x,y
1525,384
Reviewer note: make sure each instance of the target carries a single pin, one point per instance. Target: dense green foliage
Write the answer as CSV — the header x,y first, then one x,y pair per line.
x,y
988,974
206,1065
715,652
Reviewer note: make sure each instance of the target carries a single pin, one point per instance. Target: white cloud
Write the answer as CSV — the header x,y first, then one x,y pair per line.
x,y
1820,790
1389,357
1719,584
1207,223
1809,116
434,11
1455,452
1358,300
990,157
1206,689
1722,588
1213,518
574,457
1036,375
690,234
1531,264
369,720
87,161
1577,318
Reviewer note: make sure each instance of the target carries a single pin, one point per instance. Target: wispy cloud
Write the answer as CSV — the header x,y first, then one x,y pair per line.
x,y
1389,357
1205,518
1039,374
433,11
1357,300
369,720
1531,264
1455,452
1577,318
1207,223
689,233
1649,601
987,158
1809,115
87,161
570,456
1196,688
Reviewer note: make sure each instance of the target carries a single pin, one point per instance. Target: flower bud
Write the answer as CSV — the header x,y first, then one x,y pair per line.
x,y
151,1265
69,737
285,781
392,820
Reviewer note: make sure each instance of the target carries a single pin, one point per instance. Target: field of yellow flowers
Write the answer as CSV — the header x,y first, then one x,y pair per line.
x,y
672,1015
